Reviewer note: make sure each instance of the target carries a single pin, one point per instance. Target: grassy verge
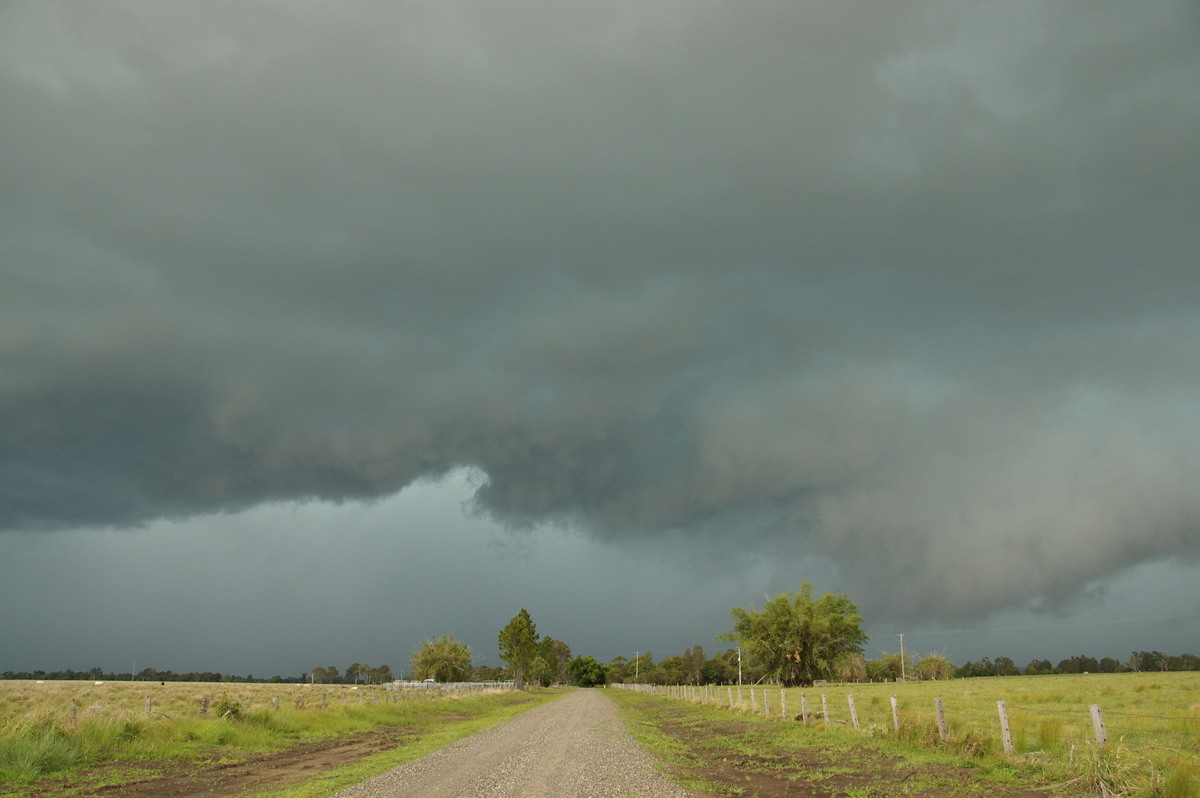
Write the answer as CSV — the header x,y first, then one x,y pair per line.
x,y
729,753
47,744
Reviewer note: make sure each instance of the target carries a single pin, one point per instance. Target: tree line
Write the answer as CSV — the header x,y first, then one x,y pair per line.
x,y
795,639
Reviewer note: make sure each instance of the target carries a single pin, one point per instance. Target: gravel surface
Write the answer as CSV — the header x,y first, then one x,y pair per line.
x,y
570,748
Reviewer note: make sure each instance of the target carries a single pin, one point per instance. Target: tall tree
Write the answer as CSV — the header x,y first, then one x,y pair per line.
x,y
797,638
518,646
444,659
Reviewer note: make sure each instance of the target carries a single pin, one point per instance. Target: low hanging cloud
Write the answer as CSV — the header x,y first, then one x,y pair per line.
x,y
915,290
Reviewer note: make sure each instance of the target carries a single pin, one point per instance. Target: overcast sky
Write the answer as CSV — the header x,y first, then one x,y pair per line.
x,y
327,328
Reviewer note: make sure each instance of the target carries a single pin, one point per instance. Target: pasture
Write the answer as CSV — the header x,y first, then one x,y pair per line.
x,y
1151,721
61,729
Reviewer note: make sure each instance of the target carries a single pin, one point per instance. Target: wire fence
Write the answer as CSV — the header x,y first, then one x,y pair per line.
x,y
1168,742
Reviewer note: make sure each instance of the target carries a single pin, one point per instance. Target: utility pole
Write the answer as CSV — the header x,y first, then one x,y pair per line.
x,y
903,675
637,660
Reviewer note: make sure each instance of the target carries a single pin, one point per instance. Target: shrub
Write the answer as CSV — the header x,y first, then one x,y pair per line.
x,y
228,708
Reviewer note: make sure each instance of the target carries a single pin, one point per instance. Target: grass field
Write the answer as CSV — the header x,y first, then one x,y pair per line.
x,y
1152,722
55,729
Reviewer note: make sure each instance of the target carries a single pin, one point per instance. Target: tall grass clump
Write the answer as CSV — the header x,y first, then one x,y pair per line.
x,y
37,746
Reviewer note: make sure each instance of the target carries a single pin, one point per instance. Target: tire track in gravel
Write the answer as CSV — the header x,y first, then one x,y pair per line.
x,y
575,746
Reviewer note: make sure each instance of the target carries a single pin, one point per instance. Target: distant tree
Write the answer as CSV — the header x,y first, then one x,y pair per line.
x,y
898,667
877,671
722,668
853,668
984,667
617,670
380,675
518,646
444,659
1006,667
640,666
693,660
935,667
1038,666
672,670
586,672
556,654
486,673
797,638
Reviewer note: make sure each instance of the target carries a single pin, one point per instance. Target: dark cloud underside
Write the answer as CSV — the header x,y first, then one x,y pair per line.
x,y
916,288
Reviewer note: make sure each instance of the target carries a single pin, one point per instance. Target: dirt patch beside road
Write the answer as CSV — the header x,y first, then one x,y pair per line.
x,y
225,779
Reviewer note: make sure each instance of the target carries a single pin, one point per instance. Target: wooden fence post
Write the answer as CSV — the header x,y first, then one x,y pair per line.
x,y
941,719
204,706
1098,725
739,695
783,703
853,711
149,704
753,702
895,714
1004,731
766,706
804,708
275,702
825,709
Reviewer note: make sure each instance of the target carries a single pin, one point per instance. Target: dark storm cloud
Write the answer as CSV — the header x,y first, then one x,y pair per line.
x,y
916,288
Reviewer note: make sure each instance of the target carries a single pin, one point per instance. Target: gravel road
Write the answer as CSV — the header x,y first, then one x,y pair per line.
x,y
573,747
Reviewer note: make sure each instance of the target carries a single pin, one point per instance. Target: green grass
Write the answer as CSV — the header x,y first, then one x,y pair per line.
x,y
711,749
1152,722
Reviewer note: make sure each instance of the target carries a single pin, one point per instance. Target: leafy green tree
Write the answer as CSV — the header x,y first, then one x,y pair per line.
x,y
897,667
380,675
586,671
618,669
444,659
935,667
722,668
518,646
672,670
797,638
556,654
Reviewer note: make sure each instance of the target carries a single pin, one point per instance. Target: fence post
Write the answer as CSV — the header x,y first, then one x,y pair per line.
x,y
149,703
825,709
275,702
204,706
729,693
73,711
753,702
739,695
941,719
1004,731
1098,725
783,703
895,714
766,707
804,708
853,711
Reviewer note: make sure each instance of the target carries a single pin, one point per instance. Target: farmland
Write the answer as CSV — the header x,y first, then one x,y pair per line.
x,y
82,734
1152,722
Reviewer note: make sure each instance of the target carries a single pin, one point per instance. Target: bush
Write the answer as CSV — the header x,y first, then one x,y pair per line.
x,y
229,708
